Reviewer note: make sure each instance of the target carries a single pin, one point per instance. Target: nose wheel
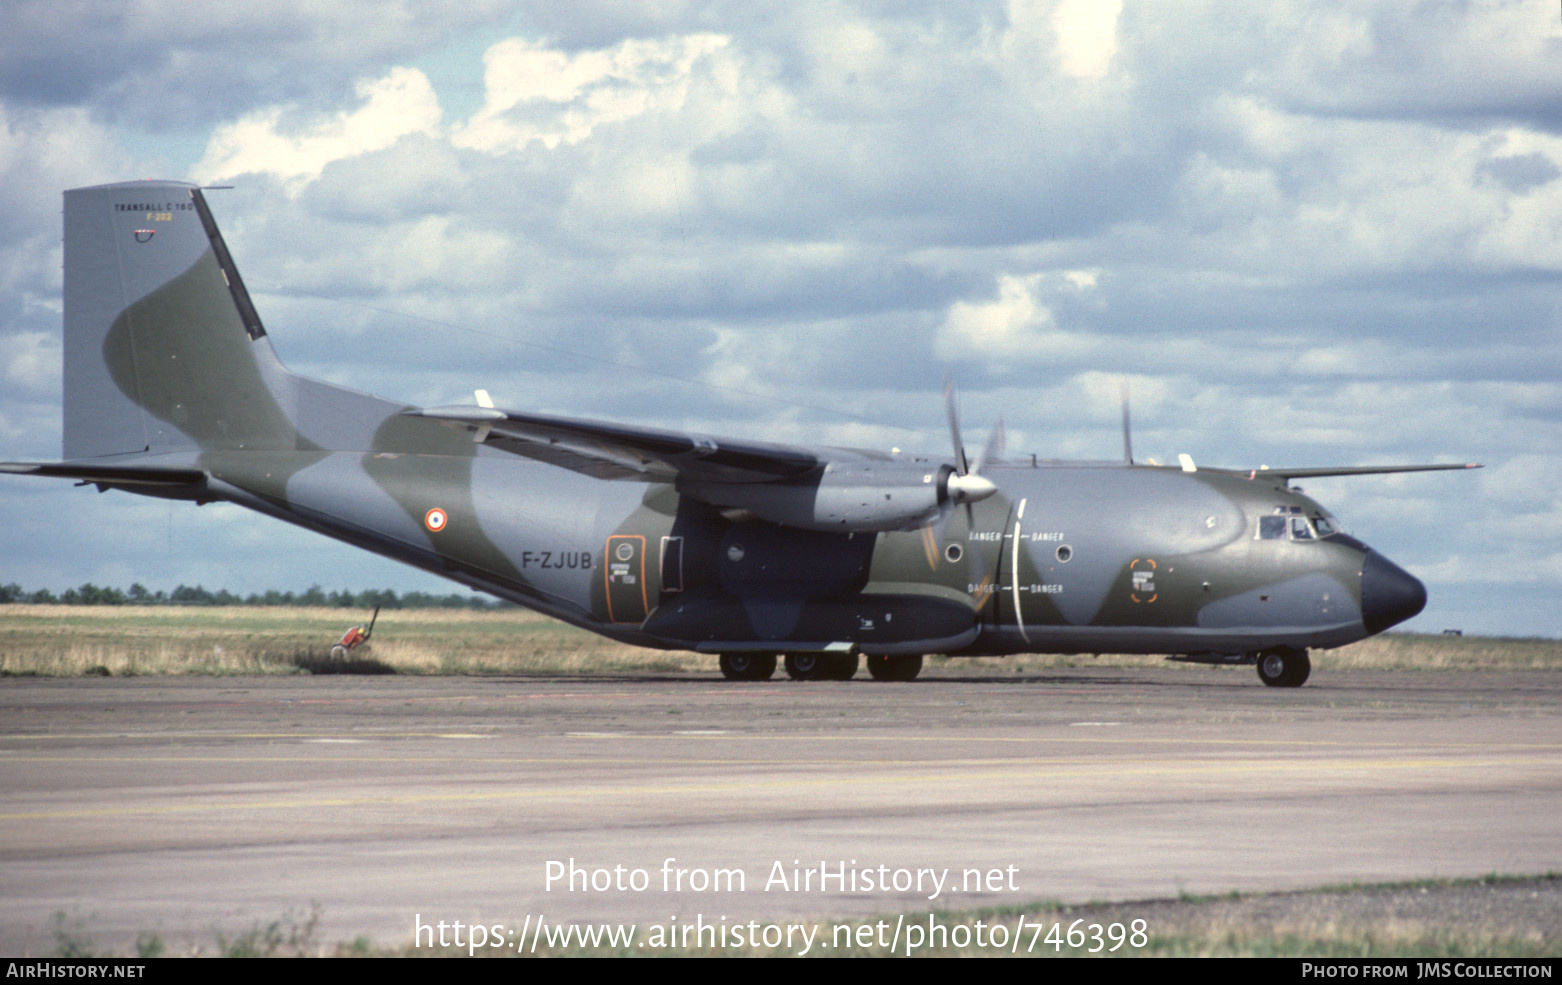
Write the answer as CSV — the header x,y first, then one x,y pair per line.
x,y
1284,666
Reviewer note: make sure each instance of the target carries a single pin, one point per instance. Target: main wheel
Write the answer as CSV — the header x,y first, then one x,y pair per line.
x,y
840,666
807,666
1284,666
885,668
748,666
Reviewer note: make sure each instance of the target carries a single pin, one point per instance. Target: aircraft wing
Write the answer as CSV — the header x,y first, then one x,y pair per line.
x,y
1328,470
607,450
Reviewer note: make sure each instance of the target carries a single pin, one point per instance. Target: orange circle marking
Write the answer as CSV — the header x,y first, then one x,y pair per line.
x,y
435,519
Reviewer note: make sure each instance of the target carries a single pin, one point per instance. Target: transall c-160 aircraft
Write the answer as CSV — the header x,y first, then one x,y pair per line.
x,y
749,550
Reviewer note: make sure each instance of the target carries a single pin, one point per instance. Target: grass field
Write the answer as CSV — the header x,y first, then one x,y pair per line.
x,y
74,641
1502,917
65,641
1440,919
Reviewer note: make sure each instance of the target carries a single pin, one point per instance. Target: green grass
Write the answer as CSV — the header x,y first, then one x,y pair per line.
x,y
1377,921
127,641
123,641
1511,917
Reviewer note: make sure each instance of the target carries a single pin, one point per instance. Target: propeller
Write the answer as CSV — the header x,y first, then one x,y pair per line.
x,y
967,486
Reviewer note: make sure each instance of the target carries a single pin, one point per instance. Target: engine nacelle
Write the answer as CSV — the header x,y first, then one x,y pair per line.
x,y
850,497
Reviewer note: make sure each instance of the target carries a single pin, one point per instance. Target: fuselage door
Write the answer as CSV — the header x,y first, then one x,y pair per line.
x,y
624,568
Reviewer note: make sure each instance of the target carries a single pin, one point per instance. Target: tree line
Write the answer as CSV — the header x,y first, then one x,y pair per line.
x,y
139,594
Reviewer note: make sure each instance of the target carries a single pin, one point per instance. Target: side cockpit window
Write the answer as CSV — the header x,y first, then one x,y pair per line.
x,y
1271,528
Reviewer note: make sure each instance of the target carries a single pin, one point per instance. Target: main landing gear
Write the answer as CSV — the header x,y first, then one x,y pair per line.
x,y
885,668
745,666
748,666
1284,666
821,666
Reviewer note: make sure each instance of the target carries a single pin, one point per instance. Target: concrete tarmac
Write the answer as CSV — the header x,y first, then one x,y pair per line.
x,y
198,807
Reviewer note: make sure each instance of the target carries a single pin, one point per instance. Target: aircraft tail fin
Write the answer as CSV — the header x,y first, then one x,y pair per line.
x,y
164,351
162,344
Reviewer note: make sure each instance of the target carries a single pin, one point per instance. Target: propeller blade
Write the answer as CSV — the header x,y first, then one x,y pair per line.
x,y
954,428
1128,442
965,487
993,449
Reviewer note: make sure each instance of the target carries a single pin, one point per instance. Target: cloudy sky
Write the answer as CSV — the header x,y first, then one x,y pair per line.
x,y
1306,233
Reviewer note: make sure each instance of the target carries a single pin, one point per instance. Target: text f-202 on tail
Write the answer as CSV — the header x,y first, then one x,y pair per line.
x,y
754,551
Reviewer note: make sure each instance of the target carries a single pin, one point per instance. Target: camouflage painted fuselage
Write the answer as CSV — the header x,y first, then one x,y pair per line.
x,y
1063,559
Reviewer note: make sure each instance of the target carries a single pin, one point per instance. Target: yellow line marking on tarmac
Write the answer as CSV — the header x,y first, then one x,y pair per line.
x,y
508,760
696,735
1097,740
566,761
366,734
1266,766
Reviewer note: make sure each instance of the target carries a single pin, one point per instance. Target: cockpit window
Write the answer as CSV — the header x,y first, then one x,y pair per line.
x,y
1288,523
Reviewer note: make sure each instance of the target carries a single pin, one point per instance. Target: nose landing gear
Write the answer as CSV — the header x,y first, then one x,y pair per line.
x,y
1284,666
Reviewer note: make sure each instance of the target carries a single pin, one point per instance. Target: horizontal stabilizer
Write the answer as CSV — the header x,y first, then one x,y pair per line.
x,y
117,475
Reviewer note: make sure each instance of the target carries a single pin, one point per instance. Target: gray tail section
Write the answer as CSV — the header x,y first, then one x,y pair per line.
x,y
164,352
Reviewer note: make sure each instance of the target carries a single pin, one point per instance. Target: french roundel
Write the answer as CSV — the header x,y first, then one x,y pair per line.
x,y
435,519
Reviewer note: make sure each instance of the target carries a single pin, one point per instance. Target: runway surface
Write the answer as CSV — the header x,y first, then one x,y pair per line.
x,y
190,807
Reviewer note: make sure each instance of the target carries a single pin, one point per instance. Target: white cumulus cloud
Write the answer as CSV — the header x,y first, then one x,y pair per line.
x,y
535,92
1012,325
1087,36
401,103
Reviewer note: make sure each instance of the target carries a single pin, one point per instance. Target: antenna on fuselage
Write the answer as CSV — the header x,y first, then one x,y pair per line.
x,y
1128,441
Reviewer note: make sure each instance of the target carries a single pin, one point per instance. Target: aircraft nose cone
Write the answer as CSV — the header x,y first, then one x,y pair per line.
x,y
1389,593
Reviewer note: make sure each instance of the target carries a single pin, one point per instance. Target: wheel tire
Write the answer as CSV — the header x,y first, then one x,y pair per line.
x,y
885,668
806,666
338,652
840,667
1300,669
748,666
1284,667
